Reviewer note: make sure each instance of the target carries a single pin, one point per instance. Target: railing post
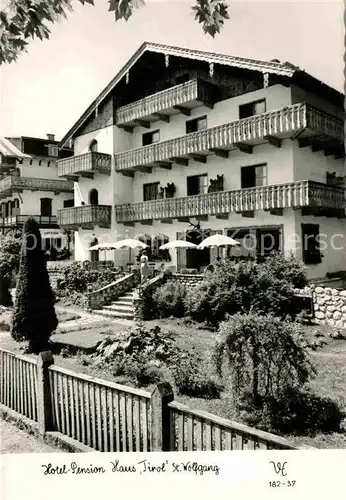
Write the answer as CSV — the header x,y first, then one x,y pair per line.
x,y
44,398
160,417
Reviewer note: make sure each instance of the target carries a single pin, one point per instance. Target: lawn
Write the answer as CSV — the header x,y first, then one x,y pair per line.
x,y
329,360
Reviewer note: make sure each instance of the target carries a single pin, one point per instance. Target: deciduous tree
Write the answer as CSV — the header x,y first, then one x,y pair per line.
x,y
25,19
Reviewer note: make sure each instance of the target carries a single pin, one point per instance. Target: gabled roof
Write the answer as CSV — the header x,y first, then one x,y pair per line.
x,y
9,149
285,69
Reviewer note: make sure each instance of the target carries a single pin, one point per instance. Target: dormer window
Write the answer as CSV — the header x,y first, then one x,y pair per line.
x,y
252,108
53,150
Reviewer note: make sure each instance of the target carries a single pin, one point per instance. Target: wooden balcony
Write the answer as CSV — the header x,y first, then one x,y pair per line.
x,y
85,165
13,221
180,98
299,120
313,195
85,217
15,184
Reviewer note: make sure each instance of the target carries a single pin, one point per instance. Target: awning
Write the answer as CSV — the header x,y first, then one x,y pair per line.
x,y
9,149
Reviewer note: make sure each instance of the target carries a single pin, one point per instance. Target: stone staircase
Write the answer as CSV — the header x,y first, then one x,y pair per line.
x,y
121,308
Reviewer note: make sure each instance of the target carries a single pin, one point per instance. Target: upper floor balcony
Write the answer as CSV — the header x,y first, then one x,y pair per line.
x,y
85,165
302,194
85,217
180,98
13,221
14,184
301,121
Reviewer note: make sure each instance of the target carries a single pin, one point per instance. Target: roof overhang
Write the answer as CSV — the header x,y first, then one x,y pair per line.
x,y
8,149
272,67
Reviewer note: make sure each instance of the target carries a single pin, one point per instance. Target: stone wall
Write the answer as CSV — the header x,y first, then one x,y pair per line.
x,y
189,280
329,304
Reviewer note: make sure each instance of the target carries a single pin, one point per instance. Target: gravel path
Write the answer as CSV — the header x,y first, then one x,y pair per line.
x,y
14,440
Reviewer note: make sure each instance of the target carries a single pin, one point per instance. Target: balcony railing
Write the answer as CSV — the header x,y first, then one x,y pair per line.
x,y
257,129
193,91
86,216
87,163
19,220
293,195
11,184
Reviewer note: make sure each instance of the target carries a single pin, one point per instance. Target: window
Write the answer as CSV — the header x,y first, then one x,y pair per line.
x,y
311,244
93,146
268,241
93,197
182,78
252,108
68,203
53,150
151,191
46,207
196,124
197,184
150,137
254,176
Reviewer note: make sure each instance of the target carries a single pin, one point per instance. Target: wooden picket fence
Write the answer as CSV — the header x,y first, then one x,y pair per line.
x,y
106,416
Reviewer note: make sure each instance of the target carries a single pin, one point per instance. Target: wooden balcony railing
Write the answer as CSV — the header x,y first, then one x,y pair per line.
x,y
13,183
86,216
179,95
280,123
293,195
19,220
88,163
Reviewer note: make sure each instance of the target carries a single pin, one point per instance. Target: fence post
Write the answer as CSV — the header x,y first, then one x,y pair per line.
x,y
44,398
160,417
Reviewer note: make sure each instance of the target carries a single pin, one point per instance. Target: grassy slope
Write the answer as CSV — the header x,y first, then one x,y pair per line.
x,y
330,381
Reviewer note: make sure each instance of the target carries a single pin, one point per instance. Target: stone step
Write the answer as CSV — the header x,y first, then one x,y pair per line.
x,y
114,314
124,298
122,303
117,307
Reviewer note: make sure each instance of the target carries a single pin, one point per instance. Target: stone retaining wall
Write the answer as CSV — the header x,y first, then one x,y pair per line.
x,y
189,280
329,304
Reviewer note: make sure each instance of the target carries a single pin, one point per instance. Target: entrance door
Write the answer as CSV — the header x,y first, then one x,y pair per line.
x,y
195,259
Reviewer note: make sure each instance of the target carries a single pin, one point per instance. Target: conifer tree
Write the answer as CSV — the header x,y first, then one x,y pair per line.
x,y
34,318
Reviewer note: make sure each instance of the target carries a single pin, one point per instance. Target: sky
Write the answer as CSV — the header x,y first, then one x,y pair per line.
x,y
51,85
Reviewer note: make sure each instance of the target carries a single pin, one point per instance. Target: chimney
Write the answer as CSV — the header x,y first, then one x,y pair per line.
x,y
51,137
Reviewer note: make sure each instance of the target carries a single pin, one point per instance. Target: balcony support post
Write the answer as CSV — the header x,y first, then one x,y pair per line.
x,y
180,161
222,153
244,148
160,116
274,141
199,158
183,110
142,123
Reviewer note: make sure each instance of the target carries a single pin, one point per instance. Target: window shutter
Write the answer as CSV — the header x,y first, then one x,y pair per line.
x,y
214,251
181,253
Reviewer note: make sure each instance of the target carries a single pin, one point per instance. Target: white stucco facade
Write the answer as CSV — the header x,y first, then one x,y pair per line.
x,y
287,161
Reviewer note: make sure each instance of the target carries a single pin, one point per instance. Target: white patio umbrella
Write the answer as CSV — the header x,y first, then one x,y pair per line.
x,y
217,240
177,244
104,247
131,244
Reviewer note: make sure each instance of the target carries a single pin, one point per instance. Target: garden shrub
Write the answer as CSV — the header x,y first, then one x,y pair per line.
x,y
169,299
77,281
190,377
265,358
147,309
267,288
34,318
5,294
